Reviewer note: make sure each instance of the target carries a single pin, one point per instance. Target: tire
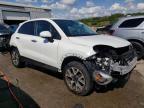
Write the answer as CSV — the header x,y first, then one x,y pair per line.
x,y
139,49
16,58
77,79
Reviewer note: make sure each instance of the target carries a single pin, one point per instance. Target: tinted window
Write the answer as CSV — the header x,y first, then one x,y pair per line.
x,y
46,26
42,26
27,28
131,23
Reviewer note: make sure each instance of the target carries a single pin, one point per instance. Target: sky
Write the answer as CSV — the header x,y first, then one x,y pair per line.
x,y
77,9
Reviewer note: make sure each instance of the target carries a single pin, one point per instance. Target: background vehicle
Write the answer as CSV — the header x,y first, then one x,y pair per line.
x,y
70,47
5,36
12,28
104,30
132,29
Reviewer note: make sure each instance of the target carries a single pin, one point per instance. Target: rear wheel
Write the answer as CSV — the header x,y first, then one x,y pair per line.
x,y
77,78
16,58
139,49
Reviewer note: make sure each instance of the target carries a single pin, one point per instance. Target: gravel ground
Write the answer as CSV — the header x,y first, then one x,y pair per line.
x,y
47,89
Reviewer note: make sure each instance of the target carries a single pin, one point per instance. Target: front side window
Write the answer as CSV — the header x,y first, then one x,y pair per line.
x,y
42,26
46,26
74,28
27,28
131,23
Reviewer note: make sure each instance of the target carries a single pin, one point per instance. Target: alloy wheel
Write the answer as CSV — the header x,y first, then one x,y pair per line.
x,y
75,79
15,58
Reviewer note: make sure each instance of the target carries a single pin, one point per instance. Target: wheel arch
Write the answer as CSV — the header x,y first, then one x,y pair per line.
x,y
70,59
12,47
136,40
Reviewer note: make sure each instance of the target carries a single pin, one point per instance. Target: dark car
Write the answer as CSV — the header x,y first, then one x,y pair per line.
x,y
104,30
13,28
5,36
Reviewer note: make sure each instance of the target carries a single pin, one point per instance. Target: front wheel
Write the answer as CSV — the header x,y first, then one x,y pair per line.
x,y
139,49
16,58
77,78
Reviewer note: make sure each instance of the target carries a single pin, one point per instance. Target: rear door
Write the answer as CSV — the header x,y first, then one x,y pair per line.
x,y
24,38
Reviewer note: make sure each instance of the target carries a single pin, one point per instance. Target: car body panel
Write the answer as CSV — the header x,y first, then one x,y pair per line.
x,y
100,40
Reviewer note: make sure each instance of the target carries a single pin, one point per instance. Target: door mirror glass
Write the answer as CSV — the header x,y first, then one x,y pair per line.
x,y
45,34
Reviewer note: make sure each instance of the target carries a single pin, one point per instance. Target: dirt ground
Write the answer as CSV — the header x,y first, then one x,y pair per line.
x,y
46,89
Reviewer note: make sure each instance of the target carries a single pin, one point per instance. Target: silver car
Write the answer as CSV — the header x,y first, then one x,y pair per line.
x,y
132,29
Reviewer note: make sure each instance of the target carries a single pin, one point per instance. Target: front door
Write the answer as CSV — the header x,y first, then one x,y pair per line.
x,y
45,50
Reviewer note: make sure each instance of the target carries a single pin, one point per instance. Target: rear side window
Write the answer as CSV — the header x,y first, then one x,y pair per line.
x,y
27,28
131,23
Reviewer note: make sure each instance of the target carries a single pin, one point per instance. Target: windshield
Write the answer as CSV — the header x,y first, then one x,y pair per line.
x,y
74,28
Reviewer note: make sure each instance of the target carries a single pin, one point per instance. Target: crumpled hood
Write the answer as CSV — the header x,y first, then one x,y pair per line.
x,y
91,41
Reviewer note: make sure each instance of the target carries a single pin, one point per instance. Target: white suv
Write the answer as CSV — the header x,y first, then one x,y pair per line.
x,y
132,29
72,48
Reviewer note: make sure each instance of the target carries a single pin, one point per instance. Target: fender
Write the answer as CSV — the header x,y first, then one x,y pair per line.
x,y
69,55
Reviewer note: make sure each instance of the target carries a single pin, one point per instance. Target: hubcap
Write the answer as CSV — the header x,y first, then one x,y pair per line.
x,y
75,79
15,58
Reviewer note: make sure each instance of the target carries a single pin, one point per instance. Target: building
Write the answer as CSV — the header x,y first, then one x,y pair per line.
x,y
15,13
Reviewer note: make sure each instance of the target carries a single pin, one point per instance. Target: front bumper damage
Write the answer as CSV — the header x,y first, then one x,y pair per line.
x,y
124,65
125,69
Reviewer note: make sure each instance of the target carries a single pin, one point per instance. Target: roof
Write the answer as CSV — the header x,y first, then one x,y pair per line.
x,y
47,19
133,17
21,5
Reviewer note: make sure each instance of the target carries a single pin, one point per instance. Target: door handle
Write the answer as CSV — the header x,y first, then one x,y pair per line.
x,y
142,32
34,41
17,38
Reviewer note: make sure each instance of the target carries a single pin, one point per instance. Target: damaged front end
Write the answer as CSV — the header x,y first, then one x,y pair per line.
x,y
109,63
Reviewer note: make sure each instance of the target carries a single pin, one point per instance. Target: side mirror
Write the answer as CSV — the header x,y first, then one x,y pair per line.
x,y
45,34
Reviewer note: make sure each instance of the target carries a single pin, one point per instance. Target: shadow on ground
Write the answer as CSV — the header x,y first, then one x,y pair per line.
x,y
7,101
114,85
97,88
46,71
